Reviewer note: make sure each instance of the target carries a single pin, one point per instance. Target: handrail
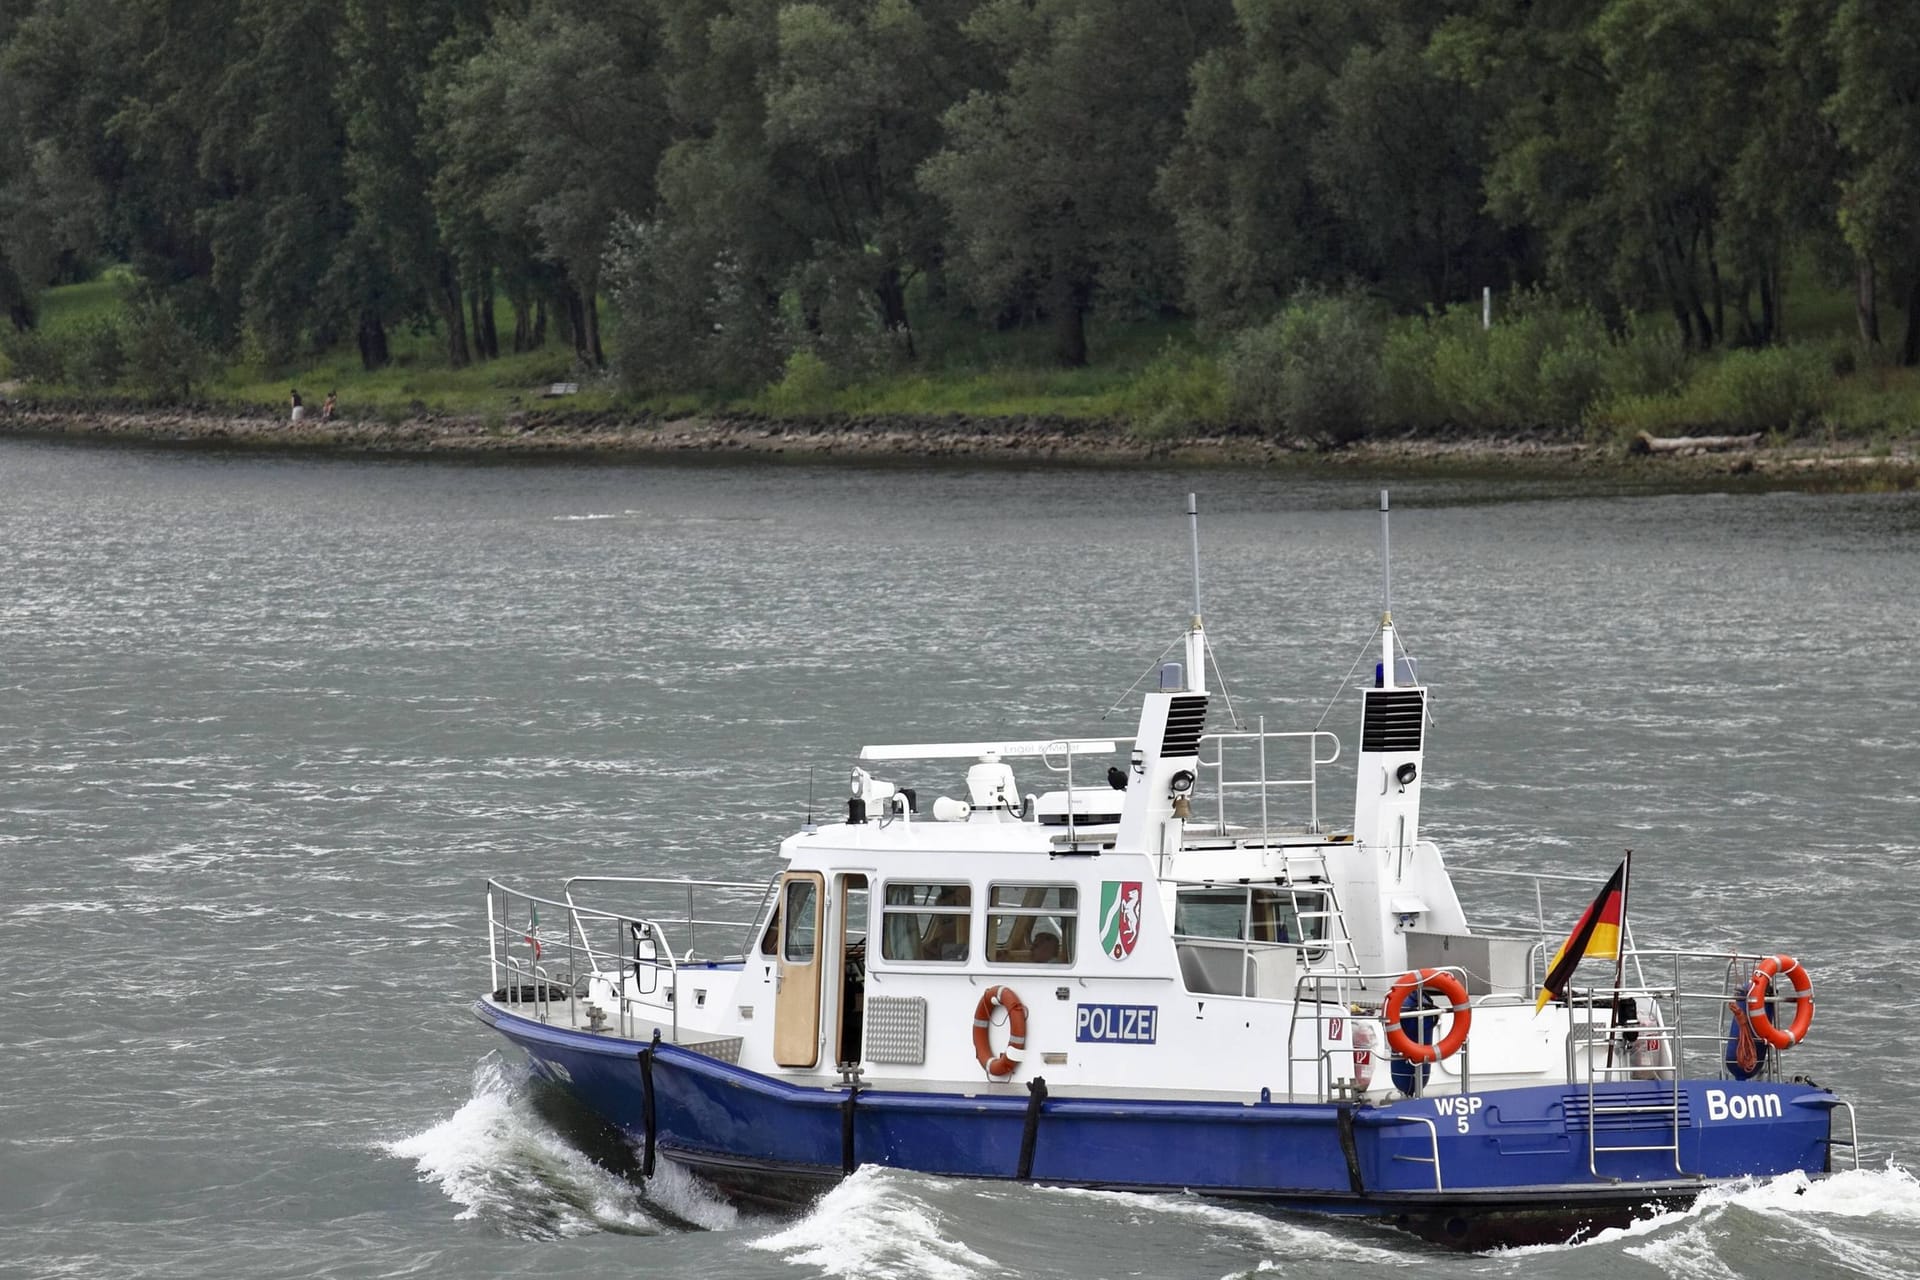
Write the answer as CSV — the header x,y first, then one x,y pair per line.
x,y
1433,1138
1263,783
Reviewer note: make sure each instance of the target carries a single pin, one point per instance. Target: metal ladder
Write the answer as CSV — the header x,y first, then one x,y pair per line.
x,y
1614,1038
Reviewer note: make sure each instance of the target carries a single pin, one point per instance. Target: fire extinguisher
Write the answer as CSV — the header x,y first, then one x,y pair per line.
x,y
1366,1038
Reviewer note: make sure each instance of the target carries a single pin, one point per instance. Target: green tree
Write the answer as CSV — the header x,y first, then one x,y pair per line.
x,y
1875,109
574,96
1048,178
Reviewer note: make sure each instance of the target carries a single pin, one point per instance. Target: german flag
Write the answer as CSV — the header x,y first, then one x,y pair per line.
x,y
1597,935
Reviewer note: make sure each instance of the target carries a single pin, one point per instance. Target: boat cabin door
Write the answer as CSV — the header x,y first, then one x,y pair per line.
x,y
796,1007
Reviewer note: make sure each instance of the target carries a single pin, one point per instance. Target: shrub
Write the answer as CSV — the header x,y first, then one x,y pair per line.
x,y
807,386
1251,371
98,355
690,315
1314,370
832,311
1407,394
1772,389
35,356
1649,359
1177,389
164,357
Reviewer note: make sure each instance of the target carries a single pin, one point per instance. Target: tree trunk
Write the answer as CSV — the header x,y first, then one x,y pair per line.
x,y
539,337
573,321
1866,303
893,306
489,335
373,341
473,320
454,316
590,304
1069,307
1713,285
1910,345
522,324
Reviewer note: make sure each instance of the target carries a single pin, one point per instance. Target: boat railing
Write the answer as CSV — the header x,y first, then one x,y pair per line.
x,y
1252,770
1693,992
580,955
1324,995
704,919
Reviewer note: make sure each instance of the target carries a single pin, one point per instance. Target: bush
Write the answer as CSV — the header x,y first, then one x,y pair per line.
x,y
1408,397
1772,389
807,386
1649,359
99,355
689,313
164,357
832,311
1314,371
35,356
1176,390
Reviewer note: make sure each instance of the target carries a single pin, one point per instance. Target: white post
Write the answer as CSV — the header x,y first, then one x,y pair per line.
x,y
1486,306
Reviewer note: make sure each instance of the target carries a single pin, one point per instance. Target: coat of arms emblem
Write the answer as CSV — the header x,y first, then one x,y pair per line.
x,y
1119,917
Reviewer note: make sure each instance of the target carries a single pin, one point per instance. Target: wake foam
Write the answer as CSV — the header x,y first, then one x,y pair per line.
x,y
1891,1193
1321,1241
872,1225
506,1166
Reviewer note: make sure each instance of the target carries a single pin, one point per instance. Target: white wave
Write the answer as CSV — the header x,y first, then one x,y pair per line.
x,y
872,1226
1285,1238
690,1200
497,1159
1856,1193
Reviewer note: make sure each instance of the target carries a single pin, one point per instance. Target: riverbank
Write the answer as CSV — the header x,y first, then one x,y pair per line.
x,y
1018,440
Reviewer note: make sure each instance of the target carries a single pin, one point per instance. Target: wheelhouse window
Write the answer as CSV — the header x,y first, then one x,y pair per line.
x,y
926,922
798,937
1257,913
1032,923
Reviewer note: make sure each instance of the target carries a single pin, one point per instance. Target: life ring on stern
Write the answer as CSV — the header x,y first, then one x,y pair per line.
x,y
1761,987
1004,1065
1433,980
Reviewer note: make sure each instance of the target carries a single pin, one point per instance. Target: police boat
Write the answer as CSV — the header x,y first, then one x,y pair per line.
x,y
1164,969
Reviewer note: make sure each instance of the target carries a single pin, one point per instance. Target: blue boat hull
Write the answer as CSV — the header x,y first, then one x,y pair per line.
x,y
1514,1165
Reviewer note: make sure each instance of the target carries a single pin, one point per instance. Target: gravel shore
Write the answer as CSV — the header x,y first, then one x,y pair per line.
x,y
1023,440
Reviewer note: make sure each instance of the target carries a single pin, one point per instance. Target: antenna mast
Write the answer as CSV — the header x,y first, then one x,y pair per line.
x,y
1386,599
1196,634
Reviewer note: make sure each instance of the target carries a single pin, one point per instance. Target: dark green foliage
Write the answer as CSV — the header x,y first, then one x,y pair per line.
x,y
97,355
165,358
34,355
862,181
1313,372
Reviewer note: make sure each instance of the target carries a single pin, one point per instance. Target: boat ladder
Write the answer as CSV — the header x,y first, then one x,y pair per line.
x,y
1629,1109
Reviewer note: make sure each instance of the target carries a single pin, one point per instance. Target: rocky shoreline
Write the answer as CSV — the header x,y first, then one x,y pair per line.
x,y
1020,440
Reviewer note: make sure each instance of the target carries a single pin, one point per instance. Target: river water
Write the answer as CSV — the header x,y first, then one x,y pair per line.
x,y
267,724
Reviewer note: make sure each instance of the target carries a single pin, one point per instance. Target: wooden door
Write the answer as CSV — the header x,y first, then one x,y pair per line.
x,y
796,1009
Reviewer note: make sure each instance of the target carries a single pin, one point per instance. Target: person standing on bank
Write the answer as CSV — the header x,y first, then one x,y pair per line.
x,y
326,407
298,411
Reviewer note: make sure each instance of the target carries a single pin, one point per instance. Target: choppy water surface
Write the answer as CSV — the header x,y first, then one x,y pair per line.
x,y
267,724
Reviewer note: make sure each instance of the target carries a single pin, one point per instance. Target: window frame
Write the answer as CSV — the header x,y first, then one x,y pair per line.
x,y
1066,930
888,911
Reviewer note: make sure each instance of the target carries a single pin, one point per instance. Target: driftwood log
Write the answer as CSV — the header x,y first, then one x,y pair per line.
x,y
1644,443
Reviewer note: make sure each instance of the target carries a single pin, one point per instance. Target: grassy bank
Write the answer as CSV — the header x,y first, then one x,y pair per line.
x,y
1331,369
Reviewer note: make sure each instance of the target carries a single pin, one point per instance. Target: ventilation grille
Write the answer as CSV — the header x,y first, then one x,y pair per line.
x,y
1658,1115
1186,717
1394,719
897,1030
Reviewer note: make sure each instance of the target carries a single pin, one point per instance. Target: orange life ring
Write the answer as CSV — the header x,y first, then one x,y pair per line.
x,y
1761,987
1003,1066
1405,1045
